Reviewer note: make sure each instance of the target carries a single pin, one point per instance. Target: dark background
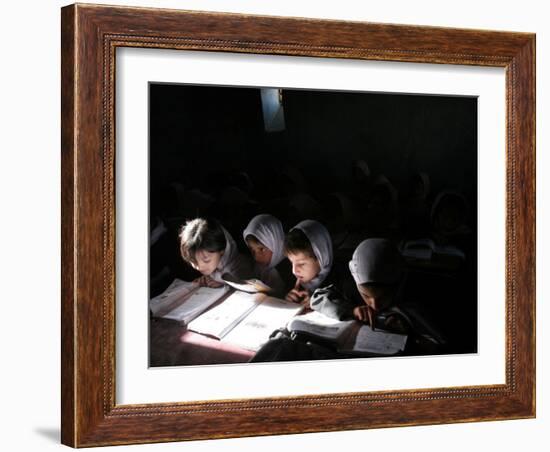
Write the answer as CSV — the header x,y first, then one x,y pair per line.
x,y
211,155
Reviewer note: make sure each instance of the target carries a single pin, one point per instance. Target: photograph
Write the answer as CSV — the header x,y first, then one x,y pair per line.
x,y
293,225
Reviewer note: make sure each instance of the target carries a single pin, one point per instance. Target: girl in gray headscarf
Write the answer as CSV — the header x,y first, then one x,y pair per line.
x,y
308,246
265,237
377,268
378,273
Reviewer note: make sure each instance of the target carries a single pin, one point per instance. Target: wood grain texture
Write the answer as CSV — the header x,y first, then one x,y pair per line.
x,y
67,224
90,36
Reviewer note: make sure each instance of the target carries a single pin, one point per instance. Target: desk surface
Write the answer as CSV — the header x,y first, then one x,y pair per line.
x,y
172,345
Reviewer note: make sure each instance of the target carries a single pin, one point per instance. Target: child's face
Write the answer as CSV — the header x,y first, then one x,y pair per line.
x,y
261,253
207,261
377,298
304,266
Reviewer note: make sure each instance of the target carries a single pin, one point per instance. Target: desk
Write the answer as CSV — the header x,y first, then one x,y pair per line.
x,y
171,344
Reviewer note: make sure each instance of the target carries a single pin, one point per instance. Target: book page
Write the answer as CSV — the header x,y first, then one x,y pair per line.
x,y
246,285
222,318
319,325
378,342
195,304
174,292
254,330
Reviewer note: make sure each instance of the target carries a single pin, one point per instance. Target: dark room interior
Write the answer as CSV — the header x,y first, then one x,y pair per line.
x,y
398,166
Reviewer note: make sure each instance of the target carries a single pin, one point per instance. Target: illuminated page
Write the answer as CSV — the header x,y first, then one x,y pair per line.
x,y
254,330
221,319
175,292
195,304
378,342
319,325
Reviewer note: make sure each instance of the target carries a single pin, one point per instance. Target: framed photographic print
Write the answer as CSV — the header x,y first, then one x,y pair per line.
x,y
280,225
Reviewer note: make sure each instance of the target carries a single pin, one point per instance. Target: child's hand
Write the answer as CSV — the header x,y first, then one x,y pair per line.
x,y
298,294
213,283
207,281
201,281
364,314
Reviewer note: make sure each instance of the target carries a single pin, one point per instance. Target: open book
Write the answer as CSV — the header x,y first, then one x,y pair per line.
x,y
244,319
350,336
246,285
183,301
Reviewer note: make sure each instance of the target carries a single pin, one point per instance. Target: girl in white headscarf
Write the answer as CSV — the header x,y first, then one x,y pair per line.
x,y
377,268
308,246
265,237
378,272
209,248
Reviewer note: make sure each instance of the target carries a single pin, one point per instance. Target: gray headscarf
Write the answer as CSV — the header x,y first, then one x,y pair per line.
x,y
321,243
376,261
268,230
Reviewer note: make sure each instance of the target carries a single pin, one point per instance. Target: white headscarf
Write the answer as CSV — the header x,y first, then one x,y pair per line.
x,y
268,230
231,261
321,243
376,261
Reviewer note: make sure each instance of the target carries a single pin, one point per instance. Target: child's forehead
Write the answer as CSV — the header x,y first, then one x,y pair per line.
x,y
371,290
253,241
299,256
204,253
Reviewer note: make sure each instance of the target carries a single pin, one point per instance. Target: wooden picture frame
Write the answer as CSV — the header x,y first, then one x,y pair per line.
x,y
90,37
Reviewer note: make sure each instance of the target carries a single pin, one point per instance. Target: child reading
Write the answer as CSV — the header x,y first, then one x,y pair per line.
x,y
209,248
265,237
376,267
377,270
308,246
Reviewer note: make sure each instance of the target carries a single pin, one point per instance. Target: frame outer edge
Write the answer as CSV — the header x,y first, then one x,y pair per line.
x,y
534,225
521,228
68,242
89,224
526,222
